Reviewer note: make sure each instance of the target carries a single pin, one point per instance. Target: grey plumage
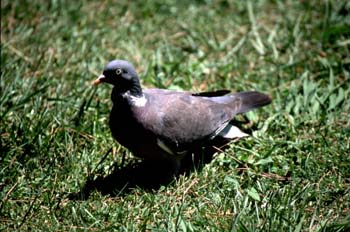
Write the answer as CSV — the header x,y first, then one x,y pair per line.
x,y
165,124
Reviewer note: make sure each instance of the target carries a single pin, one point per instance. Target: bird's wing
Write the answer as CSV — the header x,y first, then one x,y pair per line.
x,y
217,93
181,120
249,100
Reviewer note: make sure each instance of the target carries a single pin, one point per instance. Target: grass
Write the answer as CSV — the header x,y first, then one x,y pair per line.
x,y
292,175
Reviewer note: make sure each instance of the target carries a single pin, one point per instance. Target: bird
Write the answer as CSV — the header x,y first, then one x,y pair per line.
x,y
167,125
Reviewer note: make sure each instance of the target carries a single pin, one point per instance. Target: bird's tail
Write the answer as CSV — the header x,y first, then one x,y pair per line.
x,y
251,100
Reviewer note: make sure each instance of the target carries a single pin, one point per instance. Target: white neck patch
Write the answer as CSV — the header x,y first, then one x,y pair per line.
x,y
136,101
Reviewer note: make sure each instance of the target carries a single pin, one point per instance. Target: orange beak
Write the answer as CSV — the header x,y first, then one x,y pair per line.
x,y
99,80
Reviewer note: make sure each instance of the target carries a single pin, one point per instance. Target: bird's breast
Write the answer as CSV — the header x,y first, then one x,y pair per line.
x,y
130,133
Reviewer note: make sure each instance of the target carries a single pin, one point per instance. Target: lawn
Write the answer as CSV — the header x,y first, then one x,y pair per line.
x,y
61,170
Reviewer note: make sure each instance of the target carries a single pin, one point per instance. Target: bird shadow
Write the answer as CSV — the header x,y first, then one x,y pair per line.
x,y
148,175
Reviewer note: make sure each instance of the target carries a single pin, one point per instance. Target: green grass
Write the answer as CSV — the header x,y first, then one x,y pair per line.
x,y
292,175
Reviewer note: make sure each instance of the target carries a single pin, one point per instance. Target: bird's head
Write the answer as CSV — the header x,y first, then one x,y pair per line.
x,y
121,74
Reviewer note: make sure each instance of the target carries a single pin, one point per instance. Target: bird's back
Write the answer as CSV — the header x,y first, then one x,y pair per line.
x,y
183,120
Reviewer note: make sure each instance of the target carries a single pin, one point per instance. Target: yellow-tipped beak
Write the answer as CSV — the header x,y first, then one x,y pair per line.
x,y
99,80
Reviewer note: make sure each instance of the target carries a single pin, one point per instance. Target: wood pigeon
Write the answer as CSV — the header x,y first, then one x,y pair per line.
x,y
159,124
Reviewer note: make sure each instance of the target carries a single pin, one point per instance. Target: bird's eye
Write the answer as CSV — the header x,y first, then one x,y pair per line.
x,y
118,71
